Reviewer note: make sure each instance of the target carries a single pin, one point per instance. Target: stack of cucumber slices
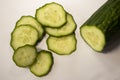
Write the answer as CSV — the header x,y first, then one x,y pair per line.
x,y
51,19
60,26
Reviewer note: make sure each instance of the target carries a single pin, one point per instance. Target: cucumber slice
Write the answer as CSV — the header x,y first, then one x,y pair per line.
x,y
25,56
66,29
29,20
52,15
43,63
62,45
23,35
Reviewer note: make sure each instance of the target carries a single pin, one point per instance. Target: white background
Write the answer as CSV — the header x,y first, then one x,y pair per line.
x,y
83,64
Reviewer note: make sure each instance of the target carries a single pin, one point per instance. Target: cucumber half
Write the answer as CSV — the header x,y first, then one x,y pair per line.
x,y
98,30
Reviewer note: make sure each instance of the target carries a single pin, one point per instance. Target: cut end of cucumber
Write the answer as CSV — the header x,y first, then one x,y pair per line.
x,y
94,37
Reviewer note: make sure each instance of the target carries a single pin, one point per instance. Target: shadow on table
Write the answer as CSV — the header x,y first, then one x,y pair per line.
x,y
112,44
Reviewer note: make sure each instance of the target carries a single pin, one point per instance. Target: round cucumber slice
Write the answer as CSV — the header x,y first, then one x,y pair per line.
x,y
23,35
52,15
25,56
62,45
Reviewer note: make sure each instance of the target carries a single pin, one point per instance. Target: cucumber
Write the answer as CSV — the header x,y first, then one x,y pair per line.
x,y
43,63
51,14
62,45
25,56
22,35
100,27
66,29
29,20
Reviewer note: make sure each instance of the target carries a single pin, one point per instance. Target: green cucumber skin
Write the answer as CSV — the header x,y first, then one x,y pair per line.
x,y
106,18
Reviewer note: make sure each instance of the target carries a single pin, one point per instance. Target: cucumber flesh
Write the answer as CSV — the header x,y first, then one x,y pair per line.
x,y
25,56
62,45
